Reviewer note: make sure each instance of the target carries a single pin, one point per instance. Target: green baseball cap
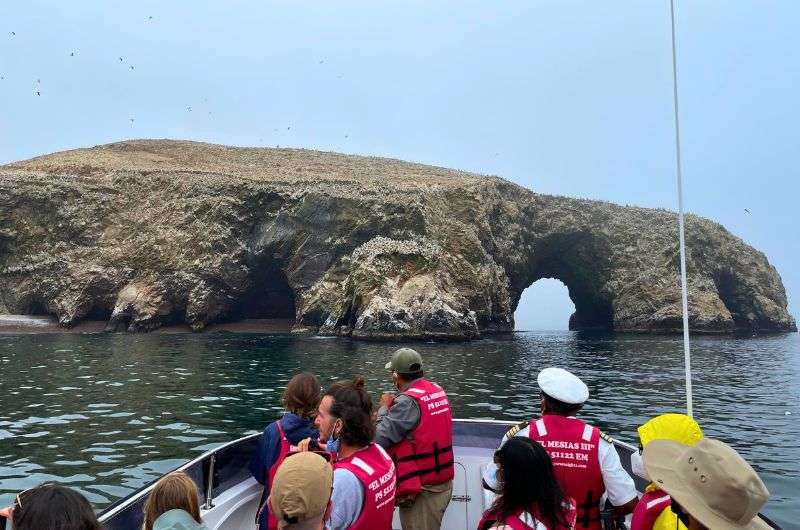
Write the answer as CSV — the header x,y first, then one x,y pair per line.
x,y
405,361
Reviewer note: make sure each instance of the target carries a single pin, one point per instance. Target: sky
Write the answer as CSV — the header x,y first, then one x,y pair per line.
x,y
564,97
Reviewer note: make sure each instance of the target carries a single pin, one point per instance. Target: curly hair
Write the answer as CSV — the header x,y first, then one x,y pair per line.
x,y
353,405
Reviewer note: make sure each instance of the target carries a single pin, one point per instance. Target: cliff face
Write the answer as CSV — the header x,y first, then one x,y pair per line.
x,y
144,233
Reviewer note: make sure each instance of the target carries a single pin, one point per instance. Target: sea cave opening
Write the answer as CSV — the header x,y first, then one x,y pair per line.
x,y
269,296
544,306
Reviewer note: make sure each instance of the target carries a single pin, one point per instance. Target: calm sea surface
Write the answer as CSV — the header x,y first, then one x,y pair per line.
x,y
108,413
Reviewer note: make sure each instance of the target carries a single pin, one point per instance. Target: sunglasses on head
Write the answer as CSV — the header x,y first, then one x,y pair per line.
x,y
18,500
21,494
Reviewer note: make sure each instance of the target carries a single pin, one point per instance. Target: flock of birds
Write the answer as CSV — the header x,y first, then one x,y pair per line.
x,y
205,100
132,120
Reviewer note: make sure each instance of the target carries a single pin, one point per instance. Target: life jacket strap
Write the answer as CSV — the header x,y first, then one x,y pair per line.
x,y
420,472
435,454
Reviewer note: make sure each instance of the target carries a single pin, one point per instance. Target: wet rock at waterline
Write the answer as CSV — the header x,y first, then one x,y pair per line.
x,y
153,232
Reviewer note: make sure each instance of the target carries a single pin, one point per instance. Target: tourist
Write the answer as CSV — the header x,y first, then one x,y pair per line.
x,y
584,459
416,428
523,503
300,399
364,475
173,504
710,484
52,506
653,510
300,498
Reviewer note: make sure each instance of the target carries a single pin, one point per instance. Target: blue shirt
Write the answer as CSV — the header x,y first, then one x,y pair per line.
x,y
266,454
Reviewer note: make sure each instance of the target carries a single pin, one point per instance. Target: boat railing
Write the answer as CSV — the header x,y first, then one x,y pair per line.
x,y
214,471
227,465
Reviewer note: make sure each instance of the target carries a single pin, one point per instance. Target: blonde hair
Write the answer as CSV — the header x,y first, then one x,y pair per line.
x,y
174,490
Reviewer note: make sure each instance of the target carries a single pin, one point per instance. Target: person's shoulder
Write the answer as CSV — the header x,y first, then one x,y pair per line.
x,y
605,436
341,473
177,519
517,429
271,429
345,481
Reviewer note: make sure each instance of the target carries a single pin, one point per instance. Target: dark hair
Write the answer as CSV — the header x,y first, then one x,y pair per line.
x,y
353,405
52,506
410,376
559,407
302,395
529,483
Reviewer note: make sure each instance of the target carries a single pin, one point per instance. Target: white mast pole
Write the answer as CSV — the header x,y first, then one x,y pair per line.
x,y
687,357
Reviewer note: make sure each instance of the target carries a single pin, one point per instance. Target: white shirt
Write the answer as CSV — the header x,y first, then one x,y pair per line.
x,y
620,487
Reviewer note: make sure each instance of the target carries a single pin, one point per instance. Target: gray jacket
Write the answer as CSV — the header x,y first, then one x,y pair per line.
x,y
397,422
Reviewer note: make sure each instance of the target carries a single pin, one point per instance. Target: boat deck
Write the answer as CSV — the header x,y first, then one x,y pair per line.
x,y
230,495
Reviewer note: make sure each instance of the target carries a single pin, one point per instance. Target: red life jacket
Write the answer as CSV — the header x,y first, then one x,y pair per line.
x,y
375,470
425,456
648,509
523,520
573,447
285,447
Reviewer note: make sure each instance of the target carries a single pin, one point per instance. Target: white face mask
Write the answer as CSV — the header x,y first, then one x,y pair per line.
x,y
637,465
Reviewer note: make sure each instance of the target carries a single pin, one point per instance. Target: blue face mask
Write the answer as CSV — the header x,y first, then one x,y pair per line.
x,y
332,446
333,443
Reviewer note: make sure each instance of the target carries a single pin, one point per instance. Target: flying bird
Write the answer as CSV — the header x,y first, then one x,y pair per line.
x,y
150,17
13,34
131,120
746,210
72,54
131,67
189,109
38,93
120,59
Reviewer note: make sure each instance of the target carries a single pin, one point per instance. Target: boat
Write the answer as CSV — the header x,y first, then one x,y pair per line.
x,y
230,495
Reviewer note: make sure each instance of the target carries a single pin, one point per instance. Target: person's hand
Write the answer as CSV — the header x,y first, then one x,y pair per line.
x,y
386,399
304,445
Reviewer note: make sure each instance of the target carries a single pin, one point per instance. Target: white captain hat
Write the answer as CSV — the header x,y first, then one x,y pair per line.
x,y
563,385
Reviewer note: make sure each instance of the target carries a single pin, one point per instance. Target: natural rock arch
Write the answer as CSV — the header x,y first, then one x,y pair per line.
x,y
545,305
577,260
163,231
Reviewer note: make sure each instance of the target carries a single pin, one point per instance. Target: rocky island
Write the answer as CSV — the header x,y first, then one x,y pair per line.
x,y
147,233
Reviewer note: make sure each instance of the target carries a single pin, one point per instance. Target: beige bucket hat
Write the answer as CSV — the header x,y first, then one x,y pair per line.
x,y
710,481
301,490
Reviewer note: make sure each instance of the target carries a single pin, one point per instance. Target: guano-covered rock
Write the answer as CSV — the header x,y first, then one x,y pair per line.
x,y
150,232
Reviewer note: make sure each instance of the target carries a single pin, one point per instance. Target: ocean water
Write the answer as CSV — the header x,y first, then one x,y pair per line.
x,y
108,413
